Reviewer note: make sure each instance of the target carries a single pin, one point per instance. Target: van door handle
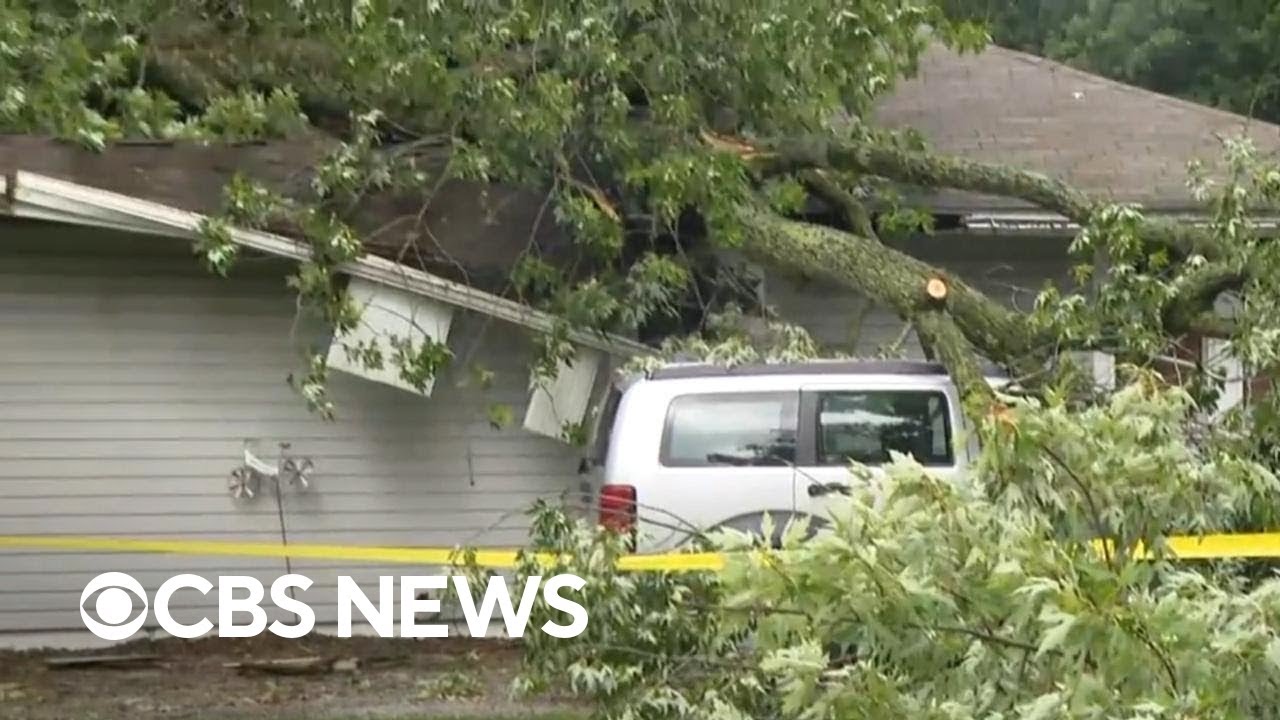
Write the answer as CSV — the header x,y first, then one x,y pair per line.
x,y
820,489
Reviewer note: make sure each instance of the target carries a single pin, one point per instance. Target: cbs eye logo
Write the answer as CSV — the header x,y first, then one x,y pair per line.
x,y
113,606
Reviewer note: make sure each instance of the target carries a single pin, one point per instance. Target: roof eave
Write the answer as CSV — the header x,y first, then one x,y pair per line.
x,y
1045,223
38,197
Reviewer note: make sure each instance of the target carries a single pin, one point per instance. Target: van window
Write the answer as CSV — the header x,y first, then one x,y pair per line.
x,y
864,426
731,429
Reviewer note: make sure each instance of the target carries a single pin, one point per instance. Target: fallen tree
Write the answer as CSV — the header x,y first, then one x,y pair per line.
x,y
652,133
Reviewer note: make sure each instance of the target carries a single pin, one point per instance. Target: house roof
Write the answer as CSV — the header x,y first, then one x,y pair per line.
x,y
1107,138
460,233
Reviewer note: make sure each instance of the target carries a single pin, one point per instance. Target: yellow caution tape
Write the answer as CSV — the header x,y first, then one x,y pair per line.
x,y
1250,545
498,559
1219,547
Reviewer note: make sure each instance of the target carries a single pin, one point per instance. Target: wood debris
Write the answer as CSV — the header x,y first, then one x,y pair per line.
x,y
67,662
309,665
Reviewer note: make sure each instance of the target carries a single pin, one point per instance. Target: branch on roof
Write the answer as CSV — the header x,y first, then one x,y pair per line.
x,y
193,60
928,170
933,170
1212,325
852,211
194,74
1192,309
951,316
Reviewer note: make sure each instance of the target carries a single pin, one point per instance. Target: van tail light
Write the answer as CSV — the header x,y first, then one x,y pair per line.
x,y
618,508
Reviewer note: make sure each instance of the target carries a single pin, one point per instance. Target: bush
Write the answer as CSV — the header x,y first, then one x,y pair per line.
x,y
1041,588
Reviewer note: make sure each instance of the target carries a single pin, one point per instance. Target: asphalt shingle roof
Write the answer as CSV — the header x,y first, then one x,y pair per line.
x,y
1110,139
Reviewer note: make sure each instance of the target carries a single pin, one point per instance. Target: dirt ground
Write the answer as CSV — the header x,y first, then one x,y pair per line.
x,y
455,677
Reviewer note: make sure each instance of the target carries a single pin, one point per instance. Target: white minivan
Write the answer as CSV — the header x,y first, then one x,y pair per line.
x,y
693,447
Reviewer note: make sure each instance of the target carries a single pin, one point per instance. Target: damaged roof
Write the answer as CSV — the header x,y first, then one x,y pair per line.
x,y
1109,139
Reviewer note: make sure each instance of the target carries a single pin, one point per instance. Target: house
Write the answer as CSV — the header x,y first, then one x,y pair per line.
x,y
134,384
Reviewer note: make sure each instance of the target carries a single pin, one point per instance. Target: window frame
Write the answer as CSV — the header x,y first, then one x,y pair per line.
x,y
789,398
809,433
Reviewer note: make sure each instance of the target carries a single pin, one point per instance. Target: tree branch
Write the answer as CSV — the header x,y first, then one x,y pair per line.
x,y
957,354
1212,325
1192,309
960,325
852,211
980,635
193,60
928,170
932,170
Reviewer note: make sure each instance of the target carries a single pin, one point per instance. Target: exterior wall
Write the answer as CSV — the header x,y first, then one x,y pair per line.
x,y
130,379
1012,269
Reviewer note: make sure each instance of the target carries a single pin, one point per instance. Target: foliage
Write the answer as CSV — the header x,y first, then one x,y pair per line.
x,y
500,415
77,69
451,685
1126,311
734,338
985,598
647,632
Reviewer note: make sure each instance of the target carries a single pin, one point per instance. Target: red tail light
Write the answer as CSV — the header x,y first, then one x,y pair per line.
x,y
618,507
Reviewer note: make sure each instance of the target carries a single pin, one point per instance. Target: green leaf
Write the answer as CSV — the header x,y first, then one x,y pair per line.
x,y
500,415
1060,625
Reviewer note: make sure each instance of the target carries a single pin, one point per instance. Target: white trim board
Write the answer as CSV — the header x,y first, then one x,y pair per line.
x,y
387,313
565,398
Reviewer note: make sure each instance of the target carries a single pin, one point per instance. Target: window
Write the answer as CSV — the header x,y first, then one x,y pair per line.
x,y
864,426
731,429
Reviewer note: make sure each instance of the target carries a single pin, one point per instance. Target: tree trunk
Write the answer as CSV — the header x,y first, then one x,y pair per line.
x,y
954,325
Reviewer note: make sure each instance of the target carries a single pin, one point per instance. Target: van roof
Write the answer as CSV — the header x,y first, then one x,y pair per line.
x,y
810,367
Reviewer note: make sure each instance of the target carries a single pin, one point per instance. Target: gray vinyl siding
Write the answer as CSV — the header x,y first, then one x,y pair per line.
x,y
130,378
1011,270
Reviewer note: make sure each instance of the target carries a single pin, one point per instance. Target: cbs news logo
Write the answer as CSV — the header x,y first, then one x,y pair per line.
x,y
115,597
